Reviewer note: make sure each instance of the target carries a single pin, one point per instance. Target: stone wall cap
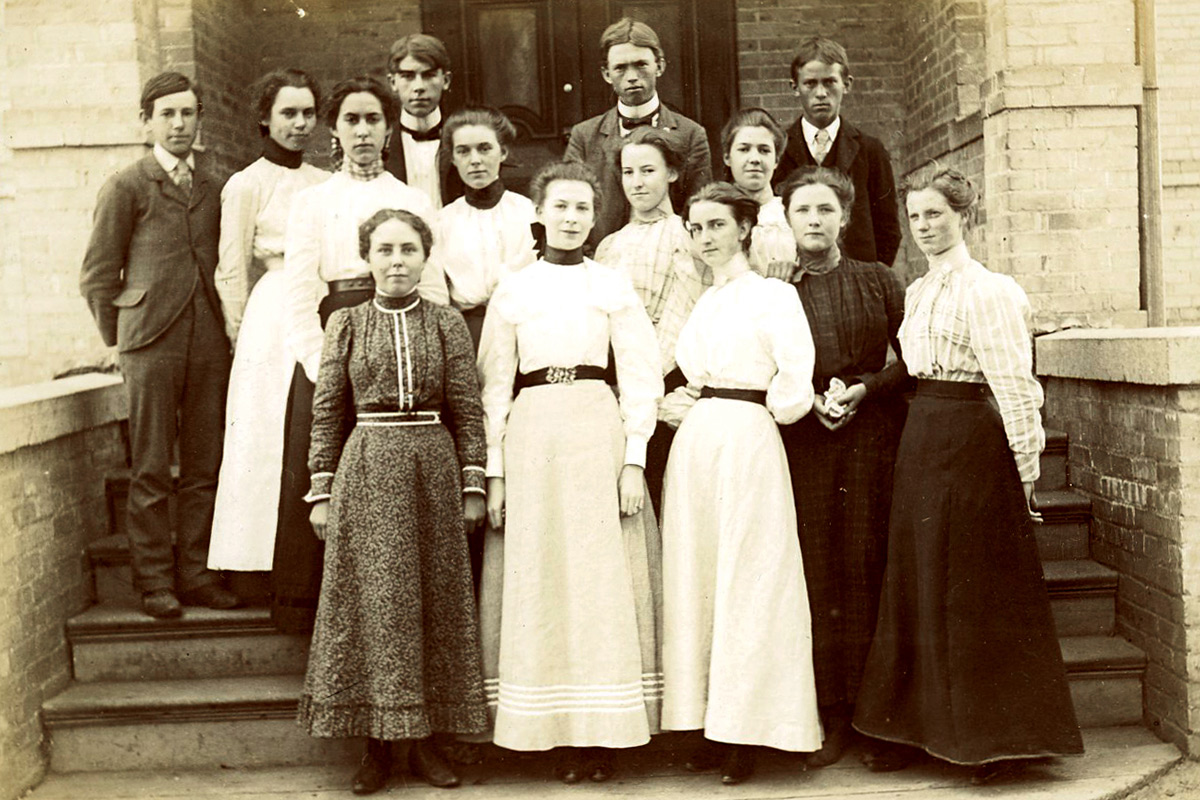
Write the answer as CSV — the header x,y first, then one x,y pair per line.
x,y
1154,356
41,412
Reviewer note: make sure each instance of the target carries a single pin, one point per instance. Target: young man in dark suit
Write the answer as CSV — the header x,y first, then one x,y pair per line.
x,y
419,71
633,61
148,280
821,137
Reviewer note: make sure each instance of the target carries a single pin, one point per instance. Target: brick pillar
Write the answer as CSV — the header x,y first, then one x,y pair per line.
x,y
1060,129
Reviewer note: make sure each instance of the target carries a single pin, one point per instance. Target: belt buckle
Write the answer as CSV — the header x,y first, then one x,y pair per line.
x,y
560,375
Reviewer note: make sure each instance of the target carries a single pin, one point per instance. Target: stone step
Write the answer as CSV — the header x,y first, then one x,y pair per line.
x,y
250,721
116,642
1083,597
1063,532
1054,462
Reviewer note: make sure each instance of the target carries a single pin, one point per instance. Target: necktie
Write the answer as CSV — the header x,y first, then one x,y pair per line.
x,y
424,136
821,146
629,123
183,176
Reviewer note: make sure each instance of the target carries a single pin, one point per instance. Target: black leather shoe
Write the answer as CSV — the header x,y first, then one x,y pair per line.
x,y
995,771
600,765
570,765
210,596
881,756
161,603
705,757
739,764
375,770
427,763
838,734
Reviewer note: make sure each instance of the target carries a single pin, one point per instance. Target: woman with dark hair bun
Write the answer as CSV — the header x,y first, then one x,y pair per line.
x,y
841,455
323,272
575,661
485,234
255,204
737,652
395,652
965,662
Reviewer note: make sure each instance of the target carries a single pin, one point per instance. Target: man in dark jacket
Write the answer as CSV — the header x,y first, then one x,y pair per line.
x,y
820,137
148,280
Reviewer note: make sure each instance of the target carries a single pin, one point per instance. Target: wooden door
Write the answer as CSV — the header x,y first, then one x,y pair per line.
x,y
539,62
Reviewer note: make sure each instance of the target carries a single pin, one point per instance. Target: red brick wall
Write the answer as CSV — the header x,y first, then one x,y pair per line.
x,y
226,64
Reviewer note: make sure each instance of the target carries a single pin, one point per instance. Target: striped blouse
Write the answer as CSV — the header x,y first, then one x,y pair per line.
x,y
965,323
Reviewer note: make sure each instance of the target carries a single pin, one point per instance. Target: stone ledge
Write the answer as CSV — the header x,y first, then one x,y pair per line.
x,y
1153,356
42,412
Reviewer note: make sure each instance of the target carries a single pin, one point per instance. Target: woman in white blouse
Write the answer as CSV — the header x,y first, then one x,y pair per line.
x,y
752,142
255,204
323,272
965,663
737,643
485,234
577,646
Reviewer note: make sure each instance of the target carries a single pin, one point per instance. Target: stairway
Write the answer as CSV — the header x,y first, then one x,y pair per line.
x,y
220,687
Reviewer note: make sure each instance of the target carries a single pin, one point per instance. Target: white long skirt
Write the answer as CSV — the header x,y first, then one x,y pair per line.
x,y
569,594
737,639
247,504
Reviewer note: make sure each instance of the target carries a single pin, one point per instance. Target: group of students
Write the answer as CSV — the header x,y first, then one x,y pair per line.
x,y
525,495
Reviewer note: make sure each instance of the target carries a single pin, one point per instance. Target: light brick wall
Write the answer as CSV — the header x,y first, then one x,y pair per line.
x,y
52,496
1177,31
1135,451
1061,157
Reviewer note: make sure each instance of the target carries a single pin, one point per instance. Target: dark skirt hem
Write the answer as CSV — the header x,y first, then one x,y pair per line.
x,y
965,763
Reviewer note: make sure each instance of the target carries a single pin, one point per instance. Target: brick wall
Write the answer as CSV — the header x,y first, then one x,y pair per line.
x,y
52,496
226,64
1135,451
1177,32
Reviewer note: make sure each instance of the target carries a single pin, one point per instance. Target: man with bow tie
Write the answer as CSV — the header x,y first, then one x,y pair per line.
x,y
148,279
633,61
419,71
821,137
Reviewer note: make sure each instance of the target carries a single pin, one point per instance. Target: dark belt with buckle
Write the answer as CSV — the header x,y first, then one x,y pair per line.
x,y
746,395
366,284
541,377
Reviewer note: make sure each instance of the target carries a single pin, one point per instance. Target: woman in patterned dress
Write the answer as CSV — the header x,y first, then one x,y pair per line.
x,y
737,650
395,652
255,204
841,456
965,662
655,252
752,142
578,650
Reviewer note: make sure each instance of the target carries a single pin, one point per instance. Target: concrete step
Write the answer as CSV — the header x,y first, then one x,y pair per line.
x,y
1083,597
1054,462
116,642
1063,532
1105,673
249,721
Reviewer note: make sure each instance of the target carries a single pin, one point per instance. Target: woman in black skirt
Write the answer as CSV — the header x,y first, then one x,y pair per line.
x,y
323,272
965,663
841,456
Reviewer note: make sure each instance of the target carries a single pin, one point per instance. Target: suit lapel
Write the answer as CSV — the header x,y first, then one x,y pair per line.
x,y
847,148
166,186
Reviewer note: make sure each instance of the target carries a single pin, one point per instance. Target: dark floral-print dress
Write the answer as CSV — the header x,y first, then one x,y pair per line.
x,y
395,652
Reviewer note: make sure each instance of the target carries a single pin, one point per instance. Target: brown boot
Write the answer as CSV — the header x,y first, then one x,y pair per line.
x,y
426,762
376,768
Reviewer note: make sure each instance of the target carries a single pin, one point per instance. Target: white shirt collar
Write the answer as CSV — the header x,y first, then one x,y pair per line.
x,y
738,260
810,130
418,124
168,161
637,112
955,258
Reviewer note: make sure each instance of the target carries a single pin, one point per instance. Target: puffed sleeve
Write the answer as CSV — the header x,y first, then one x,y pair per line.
x,y
331,404
497,362
239,212
463,399
772,241
639,368
790,393
895,375
302,276
998,314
